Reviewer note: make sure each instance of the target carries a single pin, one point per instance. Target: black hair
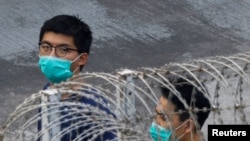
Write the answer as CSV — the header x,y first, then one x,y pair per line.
x,y
71,26
195,99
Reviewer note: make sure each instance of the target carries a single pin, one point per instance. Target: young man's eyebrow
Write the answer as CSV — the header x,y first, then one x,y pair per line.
x,y
46,42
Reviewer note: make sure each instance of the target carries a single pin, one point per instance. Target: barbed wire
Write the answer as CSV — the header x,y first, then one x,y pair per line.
x,y
131,97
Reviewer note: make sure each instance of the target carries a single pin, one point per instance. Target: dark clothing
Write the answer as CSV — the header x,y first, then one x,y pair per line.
x,y
69,118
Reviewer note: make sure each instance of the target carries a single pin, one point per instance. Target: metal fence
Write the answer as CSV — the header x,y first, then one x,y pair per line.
x,y
131,97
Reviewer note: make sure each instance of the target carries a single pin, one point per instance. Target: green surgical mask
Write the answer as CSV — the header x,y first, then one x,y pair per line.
x,y
159,133
56,69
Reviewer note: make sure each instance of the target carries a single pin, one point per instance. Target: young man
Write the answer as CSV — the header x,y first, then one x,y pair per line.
x,y
64,46
175,121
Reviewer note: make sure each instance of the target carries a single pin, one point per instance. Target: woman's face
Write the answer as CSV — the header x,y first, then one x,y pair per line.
x,y
167,117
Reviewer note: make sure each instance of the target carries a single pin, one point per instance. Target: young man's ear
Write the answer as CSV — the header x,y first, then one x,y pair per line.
x,y
83,59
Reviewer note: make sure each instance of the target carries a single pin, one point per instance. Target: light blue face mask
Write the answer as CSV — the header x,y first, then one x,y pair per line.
x,y
56,69
159,133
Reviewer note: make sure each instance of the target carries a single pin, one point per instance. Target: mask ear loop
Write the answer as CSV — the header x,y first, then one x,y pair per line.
x,y
75,60
181,125
191,136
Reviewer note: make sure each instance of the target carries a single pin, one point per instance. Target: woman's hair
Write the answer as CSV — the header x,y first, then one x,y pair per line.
x,y
195,99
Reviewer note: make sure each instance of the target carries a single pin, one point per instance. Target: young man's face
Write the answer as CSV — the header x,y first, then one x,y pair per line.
x,y
167,118
56,40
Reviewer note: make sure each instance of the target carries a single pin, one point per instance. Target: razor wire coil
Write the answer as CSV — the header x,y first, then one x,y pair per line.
x,y
132,96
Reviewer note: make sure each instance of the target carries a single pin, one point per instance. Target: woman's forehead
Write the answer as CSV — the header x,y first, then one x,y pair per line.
x,y
166,105
167,108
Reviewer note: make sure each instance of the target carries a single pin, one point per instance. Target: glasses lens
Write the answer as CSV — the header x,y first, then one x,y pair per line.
x,y
61,51
45,48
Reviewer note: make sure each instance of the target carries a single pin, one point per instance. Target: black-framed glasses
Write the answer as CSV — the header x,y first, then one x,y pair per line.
x,y
60,50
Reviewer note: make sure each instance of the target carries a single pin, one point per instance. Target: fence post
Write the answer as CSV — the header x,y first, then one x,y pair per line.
x,y
126,102
50,113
